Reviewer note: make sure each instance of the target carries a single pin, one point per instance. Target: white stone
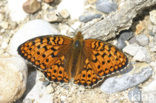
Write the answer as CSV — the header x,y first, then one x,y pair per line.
x,y
30,30
13,78
151,86
142,40
39,93
51,17
153,16
131,49
152,46
1,16
16,11
64,13
4,24
148,90
142,55
74,7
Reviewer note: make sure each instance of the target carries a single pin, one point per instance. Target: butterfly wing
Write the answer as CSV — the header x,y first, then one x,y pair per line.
x,y
101,59
49,55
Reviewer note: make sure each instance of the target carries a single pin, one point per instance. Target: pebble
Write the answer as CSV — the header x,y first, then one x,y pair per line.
x,y
48,1
142,39
148,90
135,95
142,55
124,36
152,46
89,17
51,17
13,74
132,40
121,44
91,1
31,6
1,17
106,6
64,13
132,49
16,11
117,84
153,16
151,86
4,24
28,31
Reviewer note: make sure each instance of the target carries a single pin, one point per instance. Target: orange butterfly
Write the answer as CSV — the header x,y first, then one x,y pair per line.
x,y
61,58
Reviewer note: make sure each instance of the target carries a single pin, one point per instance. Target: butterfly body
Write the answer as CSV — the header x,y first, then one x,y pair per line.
x,y
61,58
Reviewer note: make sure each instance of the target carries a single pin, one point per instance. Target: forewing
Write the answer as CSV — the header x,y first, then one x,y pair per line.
x,y
48,54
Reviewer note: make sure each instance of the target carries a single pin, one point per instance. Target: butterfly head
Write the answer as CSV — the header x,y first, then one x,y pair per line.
x,y
78,40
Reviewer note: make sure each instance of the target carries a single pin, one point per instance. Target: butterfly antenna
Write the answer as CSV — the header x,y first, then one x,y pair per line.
x,y
59,15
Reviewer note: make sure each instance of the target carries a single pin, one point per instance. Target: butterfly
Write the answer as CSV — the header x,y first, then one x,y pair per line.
x,y
61,58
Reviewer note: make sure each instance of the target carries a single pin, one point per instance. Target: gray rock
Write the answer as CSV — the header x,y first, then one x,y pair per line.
x,y
106,6
132,40
117,84
142,40
135,95
121,44
126,35
89,17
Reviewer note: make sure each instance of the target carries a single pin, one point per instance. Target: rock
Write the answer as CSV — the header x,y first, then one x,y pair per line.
x,y
152,46
121,44
135,95
39,93
126,35
89,17
148,90
132,40
153,16
142,39
16,11
1,17
140,27
31,6
51,17
142,55
139,53
75,10
151,86
117,84
64,13
106,6
48,1
91,1
30,30
4,24
13,78
132,49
